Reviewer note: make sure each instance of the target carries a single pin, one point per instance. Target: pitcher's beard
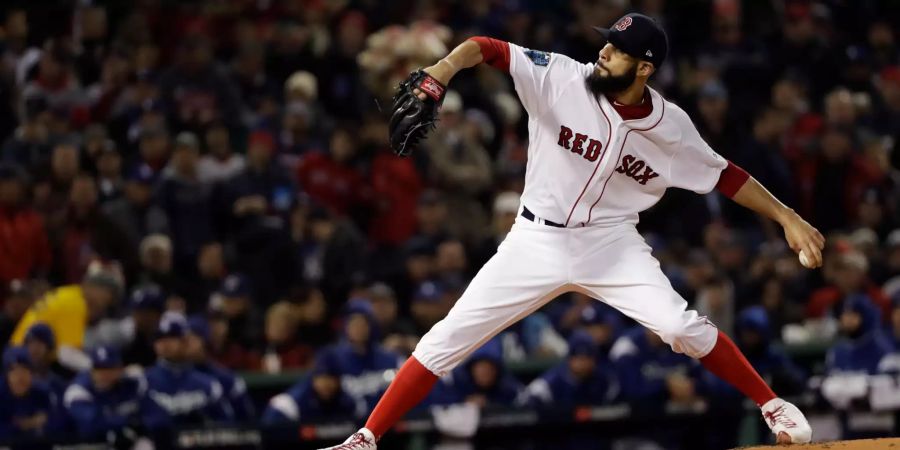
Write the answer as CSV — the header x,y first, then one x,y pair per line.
x,y
610,84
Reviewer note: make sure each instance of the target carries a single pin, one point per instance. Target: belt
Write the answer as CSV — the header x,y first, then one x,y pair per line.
x,y
526,213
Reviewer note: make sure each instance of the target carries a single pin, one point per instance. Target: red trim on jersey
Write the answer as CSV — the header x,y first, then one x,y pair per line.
x,y
493,51
596,166
634,112
732,179
619,156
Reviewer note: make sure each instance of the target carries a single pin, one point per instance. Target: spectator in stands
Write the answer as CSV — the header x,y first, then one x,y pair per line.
x,y
460,167
432,214
153,148
226,351
716,301
313,328
399,332
576,381
864,344
55,78
332,179
220,163
18,297
234,391
430,303
30,409
234,303
41,345
450,263
847,277
197,91
255,85
604,324
134,212
157,263
754,337
109,172
87,233
52,188
283,351
887,117
318,397
333,257
105,400
69,310
258,203
361,360
177,394
651,375
263,188
147,306
212,270
23,239
532,337
187,203
483,380
396,186
29,145
505,211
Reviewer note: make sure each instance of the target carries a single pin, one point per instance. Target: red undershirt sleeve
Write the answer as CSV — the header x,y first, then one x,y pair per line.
x,y
732,179
494,52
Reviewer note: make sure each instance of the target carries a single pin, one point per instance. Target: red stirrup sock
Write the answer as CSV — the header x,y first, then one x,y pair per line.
x,y
728,363
411,385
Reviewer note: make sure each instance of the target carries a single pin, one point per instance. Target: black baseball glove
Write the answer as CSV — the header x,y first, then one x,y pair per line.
x,y
412,118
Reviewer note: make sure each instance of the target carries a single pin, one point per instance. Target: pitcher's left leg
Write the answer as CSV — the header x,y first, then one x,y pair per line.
x,y
627,277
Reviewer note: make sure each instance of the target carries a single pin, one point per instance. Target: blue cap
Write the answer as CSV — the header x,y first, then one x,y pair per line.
x,y
172,324
148,297
43,333
326,364
17,355
582,344
429,291
598,313
639,36
142,173
105,358
199,327
235,285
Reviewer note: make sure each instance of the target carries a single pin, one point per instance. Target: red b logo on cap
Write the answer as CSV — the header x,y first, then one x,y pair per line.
x,y
623,24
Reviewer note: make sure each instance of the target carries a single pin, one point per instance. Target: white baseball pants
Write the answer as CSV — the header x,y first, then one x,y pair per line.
x,y
536,263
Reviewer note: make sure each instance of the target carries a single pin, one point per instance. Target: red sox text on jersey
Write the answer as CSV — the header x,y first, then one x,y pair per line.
x,y
635,168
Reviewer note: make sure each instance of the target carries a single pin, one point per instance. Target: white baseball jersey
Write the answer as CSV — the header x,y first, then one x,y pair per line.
x,y
592,171
588,166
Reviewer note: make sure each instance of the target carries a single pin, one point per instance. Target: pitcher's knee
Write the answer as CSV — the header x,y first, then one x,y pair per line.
x,y
694,338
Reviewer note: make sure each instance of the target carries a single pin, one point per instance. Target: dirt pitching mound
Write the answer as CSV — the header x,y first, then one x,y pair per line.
x,y
862,444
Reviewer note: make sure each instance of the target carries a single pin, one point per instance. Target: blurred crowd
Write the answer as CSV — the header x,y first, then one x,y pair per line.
x,y
192,189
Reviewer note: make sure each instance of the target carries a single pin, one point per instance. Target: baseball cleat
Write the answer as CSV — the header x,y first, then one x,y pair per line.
x,y
361,440
786,422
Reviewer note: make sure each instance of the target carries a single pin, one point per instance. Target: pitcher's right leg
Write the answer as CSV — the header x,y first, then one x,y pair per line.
x,y
528,271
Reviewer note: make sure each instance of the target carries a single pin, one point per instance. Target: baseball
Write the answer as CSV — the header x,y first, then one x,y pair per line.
x,y
804,260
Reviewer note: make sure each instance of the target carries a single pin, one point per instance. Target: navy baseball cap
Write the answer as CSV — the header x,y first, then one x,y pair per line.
x,y
17,355
582,344
105,358
142,174
172,324
199,327
149,297
639,36
43,333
